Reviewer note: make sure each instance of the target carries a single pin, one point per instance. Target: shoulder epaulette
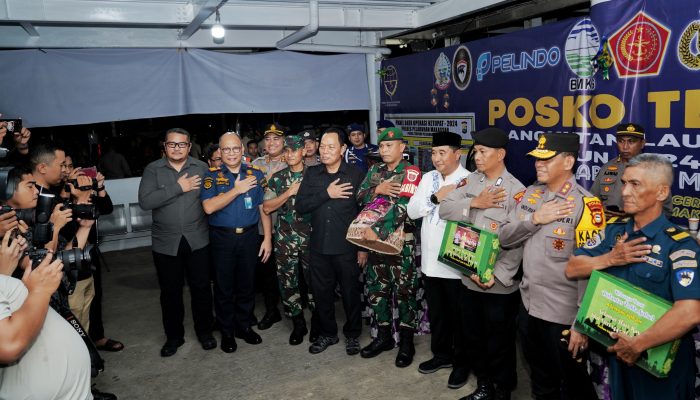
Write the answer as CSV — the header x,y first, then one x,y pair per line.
x,y
214,169
677,234
253,166
618,220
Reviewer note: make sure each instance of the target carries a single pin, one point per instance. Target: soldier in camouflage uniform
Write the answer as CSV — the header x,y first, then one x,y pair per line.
x,y
394,180
266,273
291,235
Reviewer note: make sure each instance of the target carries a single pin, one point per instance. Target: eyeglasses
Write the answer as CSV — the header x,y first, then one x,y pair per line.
x,y
173,145
229,150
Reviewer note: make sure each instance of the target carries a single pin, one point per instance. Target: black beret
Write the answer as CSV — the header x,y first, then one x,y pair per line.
x,y
446,138
491,137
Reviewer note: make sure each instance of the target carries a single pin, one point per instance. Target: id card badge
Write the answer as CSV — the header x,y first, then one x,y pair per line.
x,y
248,201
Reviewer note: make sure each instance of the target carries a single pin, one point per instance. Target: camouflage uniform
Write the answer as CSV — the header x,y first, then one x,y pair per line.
x,y
389,273
291,242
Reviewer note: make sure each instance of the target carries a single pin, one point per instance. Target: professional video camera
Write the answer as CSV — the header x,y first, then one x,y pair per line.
x,y
82,211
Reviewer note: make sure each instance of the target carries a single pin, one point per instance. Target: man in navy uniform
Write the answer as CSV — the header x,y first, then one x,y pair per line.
x,y
232,196
651,253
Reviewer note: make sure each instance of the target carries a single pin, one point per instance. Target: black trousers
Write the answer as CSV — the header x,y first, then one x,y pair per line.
x,y
172,270
444,298
490,326
97,329
326,272
266,276
235,257
553,373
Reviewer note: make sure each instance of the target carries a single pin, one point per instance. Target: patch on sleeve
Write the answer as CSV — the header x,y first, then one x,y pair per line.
x,y
685,277
208,181
518,197
595,241
681,253
684,264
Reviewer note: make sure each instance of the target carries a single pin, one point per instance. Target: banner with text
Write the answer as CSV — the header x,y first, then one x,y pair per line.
x,y
542,80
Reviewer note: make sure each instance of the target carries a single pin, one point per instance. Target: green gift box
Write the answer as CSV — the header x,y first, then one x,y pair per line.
x,y
612,304
469,250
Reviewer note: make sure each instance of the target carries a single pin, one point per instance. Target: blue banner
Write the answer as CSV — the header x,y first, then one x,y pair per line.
x,y
543,80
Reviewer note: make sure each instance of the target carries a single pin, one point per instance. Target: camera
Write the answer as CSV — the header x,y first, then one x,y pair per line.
x,y
74,259
74,182
82,211
14,125
24,214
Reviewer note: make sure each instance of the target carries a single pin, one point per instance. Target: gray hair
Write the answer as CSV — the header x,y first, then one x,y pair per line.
x,y
655,163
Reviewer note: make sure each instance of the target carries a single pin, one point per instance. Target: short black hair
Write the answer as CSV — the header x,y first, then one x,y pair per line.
x,y
209,151
251,142
14,177
338,131
43,153
179,131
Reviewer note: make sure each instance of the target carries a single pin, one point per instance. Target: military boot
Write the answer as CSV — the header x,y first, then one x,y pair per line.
x,y
383,342
406,349
315,327
484,391
299,330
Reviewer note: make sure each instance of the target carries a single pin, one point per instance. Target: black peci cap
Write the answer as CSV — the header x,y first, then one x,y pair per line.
x,y
446,138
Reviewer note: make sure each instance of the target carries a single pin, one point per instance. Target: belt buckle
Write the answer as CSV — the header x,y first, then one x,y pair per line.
x,y
239,230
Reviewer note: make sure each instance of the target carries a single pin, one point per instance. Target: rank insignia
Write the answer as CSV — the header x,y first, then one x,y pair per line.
x,y
570,198
608,180
519,196
559,231
535,195
558,244
565,189
532,201
612,168
220,174
685,277
656,249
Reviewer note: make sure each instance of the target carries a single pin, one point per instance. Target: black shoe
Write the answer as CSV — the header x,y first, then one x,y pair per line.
x,y
228,344
484,391
207,341
299,330
458,377
383,342
322,344
250,337
352,346
170,347
270,317
432,365
97,395
407,350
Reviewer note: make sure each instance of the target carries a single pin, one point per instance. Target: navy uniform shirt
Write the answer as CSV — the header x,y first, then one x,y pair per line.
x,y
669,272
235,215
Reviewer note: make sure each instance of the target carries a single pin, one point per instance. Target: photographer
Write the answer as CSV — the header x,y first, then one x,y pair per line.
x,y
100,198
42,356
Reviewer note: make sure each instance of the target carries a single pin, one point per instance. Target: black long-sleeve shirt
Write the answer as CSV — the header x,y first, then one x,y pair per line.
x,y
330,218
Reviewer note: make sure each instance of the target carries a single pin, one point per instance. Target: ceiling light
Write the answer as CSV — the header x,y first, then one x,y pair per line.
x,y
217,30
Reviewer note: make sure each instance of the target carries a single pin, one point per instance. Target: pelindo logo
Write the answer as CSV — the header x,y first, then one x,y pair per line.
x,y
512,62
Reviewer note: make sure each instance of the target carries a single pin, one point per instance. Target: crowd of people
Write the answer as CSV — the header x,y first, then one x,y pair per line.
x,y
309,218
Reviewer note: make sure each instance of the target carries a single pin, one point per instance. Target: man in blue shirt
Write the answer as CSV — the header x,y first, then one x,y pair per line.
x,y
232,196
356,154
651,253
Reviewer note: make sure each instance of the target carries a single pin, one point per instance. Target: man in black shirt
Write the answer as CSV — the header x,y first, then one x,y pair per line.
x,y
328,192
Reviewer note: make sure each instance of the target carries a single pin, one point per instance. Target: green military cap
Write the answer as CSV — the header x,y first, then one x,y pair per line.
x,y
390,134
294,142
630,130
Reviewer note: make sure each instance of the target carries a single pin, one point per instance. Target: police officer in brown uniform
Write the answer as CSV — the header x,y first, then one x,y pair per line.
x,y
608,183
490,308
554,216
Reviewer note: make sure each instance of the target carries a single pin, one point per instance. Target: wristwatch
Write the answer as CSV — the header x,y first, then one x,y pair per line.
x,y
434,199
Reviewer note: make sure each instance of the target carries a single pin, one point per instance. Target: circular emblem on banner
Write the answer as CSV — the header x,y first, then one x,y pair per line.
x,y
581,46
390,80
689,56
462,67
442,72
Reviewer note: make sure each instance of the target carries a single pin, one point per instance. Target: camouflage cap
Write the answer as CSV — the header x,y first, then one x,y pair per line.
x,y
294,142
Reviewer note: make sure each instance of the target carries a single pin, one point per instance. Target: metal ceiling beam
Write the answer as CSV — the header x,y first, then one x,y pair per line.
x,y
304,32
451,9
29,28
204,10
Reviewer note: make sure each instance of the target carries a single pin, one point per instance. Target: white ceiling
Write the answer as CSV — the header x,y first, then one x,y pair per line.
x,y
250,24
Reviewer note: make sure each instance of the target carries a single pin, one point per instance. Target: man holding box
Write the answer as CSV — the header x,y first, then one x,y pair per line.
x,y
555,215
649,252
484,200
